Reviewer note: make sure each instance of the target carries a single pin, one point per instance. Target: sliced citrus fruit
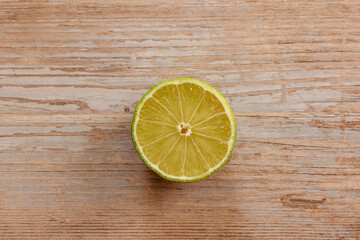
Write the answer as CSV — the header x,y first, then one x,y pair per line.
x,y
184,130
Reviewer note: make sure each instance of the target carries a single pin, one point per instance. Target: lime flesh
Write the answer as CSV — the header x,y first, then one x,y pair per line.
x,y
184,130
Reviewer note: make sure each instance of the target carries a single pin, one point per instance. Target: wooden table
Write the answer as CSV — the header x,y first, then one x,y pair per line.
x,y
72,72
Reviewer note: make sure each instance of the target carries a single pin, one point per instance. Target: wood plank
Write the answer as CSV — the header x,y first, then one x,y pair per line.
x,y
72,72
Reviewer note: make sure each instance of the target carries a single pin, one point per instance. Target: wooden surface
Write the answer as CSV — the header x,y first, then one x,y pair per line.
x,y
72,72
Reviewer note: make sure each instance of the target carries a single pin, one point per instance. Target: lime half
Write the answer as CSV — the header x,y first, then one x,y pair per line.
x,y
184,130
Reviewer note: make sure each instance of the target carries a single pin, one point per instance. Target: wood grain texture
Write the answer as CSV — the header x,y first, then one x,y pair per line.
x,y
72,72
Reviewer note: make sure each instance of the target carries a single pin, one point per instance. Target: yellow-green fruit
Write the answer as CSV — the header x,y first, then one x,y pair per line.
x,y
184,130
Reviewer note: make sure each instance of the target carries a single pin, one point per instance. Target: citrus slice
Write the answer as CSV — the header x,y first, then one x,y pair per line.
x,y
184,130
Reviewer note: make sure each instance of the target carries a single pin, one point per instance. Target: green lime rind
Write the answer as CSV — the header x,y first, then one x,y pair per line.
x,y
155,168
